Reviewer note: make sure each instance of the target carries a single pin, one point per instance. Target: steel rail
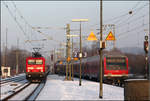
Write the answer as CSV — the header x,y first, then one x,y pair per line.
x,y
36,92
12,80
15,92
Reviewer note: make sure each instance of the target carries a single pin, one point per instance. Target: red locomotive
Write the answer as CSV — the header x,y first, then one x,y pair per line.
x,y
36,70
115,68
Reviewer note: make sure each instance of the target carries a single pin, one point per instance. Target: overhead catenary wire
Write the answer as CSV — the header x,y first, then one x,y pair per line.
x,y
134,10
127,22
16,20
131,21
36,29
136,5
125,37
21,16
117,19
133,29
134,13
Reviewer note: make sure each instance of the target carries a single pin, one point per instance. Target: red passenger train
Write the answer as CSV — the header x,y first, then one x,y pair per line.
x,y
115,68
36,69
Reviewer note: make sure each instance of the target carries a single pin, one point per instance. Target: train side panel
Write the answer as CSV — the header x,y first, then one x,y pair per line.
x,y
116,71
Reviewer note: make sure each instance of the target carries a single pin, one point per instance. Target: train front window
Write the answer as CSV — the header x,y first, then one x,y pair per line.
x,y
39,62
35,62
31,62
116,64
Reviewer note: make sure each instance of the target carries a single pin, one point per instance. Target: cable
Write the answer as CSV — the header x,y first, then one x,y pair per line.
x,y
121,34
122,25
123,15
138,9
21,16
137,4
16,20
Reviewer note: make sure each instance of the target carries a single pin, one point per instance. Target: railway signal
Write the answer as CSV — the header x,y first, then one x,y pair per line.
x,y
68,55
146,48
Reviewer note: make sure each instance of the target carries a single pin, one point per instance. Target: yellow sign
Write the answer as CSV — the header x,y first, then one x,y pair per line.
x,y
110,37
68,59
92,37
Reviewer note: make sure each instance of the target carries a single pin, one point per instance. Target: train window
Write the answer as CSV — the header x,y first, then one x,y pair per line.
x,y
39,62
31,62
116,60
116,64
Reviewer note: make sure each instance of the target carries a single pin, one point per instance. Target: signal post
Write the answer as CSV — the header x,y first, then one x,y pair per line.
x,y
100,53
146,48
68,57
80,54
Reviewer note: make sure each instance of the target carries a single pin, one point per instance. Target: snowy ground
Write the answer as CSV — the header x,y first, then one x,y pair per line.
x,y
58,89
22,74
6,89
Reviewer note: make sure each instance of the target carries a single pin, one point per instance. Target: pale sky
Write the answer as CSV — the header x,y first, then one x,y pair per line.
x,y
56,14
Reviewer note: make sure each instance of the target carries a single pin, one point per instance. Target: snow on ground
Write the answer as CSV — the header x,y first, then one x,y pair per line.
x,y
6,89
25,93
22,74
58,89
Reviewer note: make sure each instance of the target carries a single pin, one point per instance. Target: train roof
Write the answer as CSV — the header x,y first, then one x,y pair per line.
x,y
115,56
35,58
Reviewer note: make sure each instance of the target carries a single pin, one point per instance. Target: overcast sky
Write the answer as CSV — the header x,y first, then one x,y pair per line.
x,y
129,29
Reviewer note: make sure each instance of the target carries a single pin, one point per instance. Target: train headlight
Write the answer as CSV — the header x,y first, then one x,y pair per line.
x,y
39,68
109,74
30,68
124,74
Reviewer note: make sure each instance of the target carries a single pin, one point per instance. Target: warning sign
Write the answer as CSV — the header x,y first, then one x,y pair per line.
x,y
110,37
92,37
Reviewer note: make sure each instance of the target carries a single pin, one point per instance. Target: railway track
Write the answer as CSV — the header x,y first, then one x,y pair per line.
x,y
29,91
95,80
16,79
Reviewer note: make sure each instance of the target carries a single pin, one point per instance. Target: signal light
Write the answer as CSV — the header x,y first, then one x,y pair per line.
x,y
146,46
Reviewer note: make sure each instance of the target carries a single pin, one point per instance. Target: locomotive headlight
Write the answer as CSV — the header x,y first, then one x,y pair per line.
x,y
39,68
30,68
124,74
109,74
